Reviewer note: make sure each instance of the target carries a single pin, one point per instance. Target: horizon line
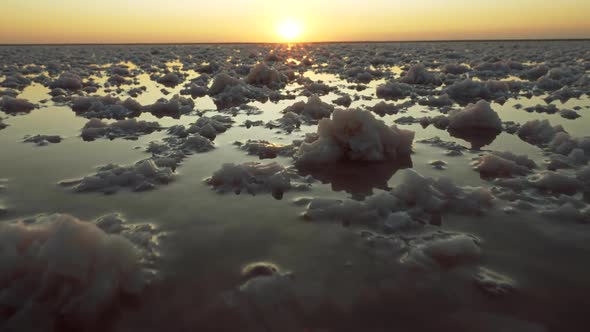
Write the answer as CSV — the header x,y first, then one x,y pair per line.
x,y
306,42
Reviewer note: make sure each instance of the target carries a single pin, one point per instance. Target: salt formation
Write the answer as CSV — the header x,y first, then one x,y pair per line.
x,y
416,198
171,79
194,90
142,176
343,101
128,129
569,114
229,91
394,90
440,101
42,140
455,69
493,283
67,81
440,122
354,135
173,150
564,94
9,93
362,74
261,74
549,109
503,164
478,124
313,109
262,303
208,127
16,81
468,90
106,107
453,149
478,116
59,271
555,183
538,132
254,270
3,209
174,107
288,122
254,178
9,105
197,138
442,249
418,74
382,108
265,149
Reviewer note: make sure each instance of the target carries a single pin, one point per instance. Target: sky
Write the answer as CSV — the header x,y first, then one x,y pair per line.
x,y
186,21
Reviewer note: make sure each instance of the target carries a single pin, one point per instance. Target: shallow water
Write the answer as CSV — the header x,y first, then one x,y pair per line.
x,y
345,284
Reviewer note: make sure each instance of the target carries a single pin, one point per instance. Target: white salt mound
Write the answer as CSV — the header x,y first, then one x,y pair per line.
x,y
474,117
355,135
57,269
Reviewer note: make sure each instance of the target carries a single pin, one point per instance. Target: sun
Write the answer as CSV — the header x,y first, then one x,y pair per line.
x,y
290,29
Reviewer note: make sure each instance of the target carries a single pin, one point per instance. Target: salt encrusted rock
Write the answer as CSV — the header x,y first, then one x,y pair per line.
x,y
129,129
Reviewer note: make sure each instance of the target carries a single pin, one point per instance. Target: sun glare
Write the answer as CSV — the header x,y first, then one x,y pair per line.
x,y
290,29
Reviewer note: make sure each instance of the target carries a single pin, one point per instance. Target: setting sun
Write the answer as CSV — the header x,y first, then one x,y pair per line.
x,y
290,29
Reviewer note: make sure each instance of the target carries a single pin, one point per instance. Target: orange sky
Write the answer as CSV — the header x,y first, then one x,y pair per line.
x,y
172,21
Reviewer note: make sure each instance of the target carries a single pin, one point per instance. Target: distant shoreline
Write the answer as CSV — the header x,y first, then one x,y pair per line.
x,y
310,43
